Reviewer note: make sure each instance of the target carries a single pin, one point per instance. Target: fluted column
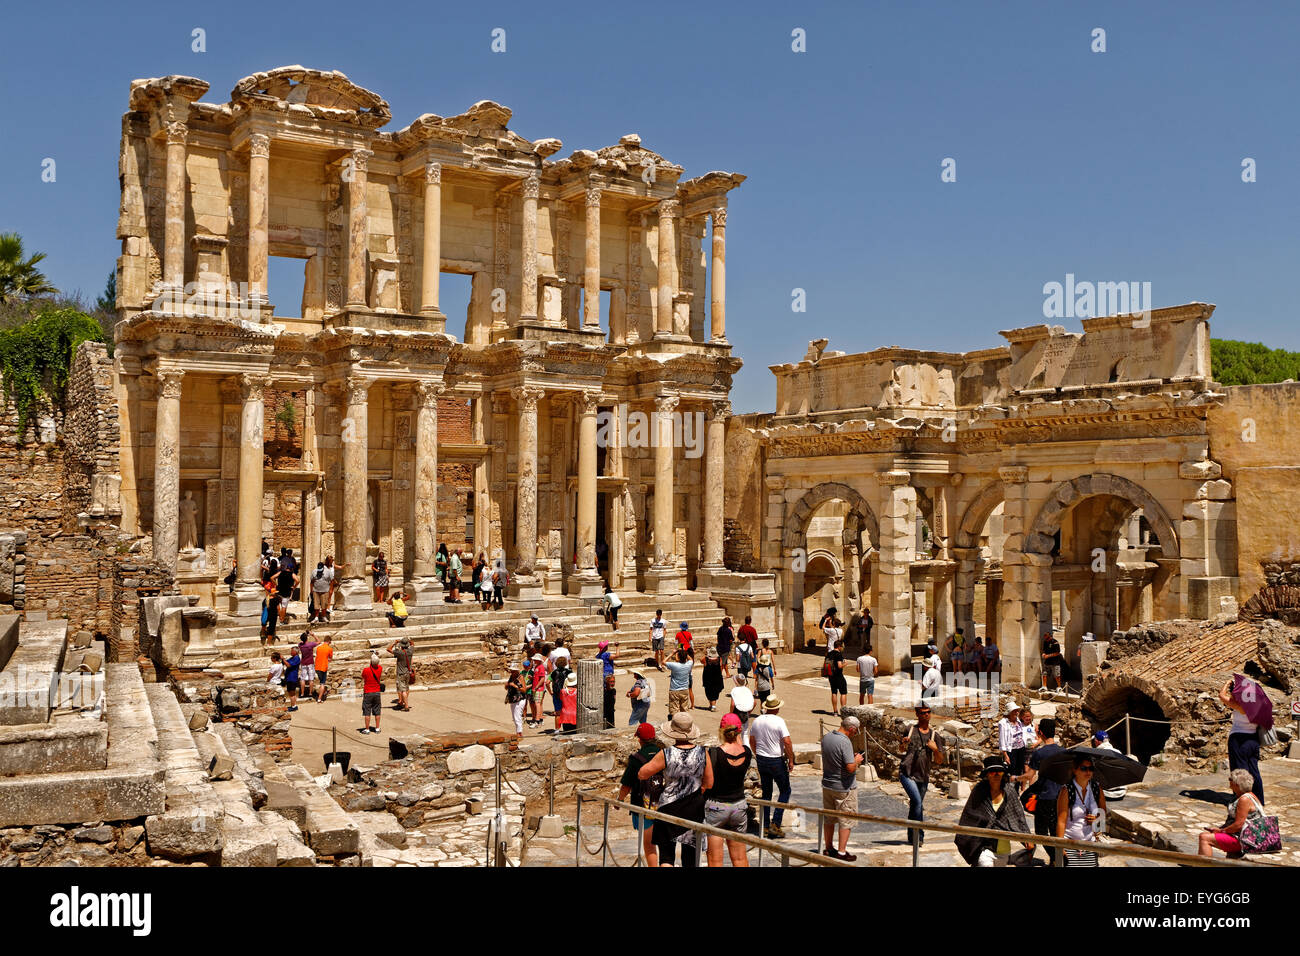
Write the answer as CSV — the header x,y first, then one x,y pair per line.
x,y
167,466
588,406
259,157
718,276
662,576
591,264
424,517
526,484
715,455
528,251
432,258
356,469
354,176
248,521
667,267
174,209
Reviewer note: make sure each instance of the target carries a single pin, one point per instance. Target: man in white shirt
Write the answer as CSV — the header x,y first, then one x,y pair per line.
x,y
769,737
612,603
1011,739
658,627
867,666
833,634
534,631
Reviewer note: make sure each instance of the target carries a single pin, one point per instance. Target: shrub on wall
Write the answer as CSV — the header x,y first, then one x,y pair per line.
x,y
36,358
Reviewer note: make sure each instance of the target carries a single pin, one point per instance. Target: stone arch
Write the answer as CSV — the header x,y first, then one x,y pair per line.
x,y
1112,695
977,513
1277,601
1040,539
796,524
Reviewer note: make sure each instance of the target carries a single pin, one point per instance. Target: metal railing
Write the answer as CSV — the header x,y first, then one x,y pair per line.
x,y
606,853
815,857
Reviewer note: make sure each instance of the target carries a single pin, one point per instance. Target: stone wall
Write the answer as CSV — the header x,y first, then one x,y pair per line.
x,y
133,578
92,438
13,571
743,497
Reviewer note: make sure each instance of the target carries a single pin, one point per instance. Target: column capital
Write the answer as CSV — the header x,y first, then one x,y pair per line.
x,y
531,186
588,403
593,194
427,393
177,133
432,172
356,388
252,386
169,382
719,216
669,208
259,145
894,478
666,403
528,395
360,157
720,408
1014,474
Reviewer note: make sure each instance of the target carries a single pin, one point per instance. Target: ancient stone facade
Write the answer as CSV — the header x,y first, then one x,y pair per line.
x,y
1087,481
522,438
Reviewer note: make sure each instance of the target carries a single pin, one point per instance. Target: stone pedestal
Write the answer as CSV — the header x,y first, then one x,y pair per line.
x,y
423,589
524,587
246,601
356,594
662,580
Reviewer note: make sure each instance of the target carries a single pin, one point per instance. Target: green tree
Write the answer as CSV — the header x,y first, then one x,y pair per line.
x,y
1251,363
107,302
19,277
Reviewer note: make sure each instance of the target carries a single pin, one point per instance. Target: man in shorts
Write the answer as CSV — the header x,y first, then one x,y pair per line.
x,y
658,628
307,645
404,652
867,667
679,684
371,689
840,765
324,652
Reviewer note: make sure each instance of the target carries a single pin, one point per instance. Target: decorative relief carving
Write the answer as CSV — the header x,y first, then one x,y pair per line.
x,y
666,403
593,195
252,387
357,388
531,187
177,134
433,173
169,382
719,217
259,146
528,396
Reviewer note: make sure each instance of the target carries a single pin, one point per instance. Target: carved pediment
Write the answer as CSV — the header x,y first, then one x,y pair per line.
x,y
328,95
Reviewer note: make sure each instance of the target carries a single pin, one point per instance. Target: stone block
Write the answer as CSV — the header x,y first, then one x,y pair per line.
x,y
1199,470
1219,490
476,757
602,762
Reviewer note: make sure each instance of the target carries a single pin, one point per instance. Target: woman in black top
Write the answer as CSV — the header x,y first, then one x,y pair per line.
x,y
726,638
725,805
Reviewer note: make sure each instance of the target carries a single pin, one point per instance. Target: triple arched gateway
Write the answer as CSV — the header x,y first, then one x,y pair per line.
x,y
1010,491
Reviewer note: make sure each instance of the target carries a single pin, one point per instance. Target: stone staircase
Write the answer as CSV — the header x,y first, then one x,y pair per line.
x,y
450,631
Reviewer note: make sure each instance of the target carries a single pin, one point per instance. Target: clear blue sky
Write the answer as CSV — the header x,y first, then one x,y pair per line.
x,y
1123,165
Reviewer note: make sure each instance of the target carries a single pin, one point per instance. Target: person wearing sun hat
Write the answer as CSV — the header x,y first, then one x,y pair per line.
x,y
992,806
568,717
631,786
641,695
606,656
687,774
774,754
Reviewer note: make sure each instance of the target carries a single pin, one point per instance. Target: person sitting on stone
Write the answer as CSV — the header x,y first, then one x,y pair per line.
x,y
397,616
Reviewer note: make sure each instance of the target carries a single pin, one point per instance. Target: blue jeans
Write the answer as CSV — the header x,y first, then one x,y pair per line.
x,y
774,770
640,712
915,804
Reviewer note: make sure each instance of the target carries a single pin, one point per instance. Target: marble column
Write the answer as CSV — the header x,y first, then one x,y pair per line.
x,y
259,158
1018,615
591,264
248,528
424,585
524,583
173,266
662,576
354,178
715,456
431,262
528,252
167,466
667,267
356,492
586,583
718,276
893,633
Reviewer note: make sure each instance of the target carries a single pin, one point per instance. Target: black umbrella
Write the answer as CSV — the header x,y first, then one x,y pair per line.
x,y
1111,768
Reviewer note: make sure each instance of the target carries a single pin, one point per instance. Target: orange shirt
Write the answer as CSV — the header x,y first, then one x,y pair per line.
x,y
323,655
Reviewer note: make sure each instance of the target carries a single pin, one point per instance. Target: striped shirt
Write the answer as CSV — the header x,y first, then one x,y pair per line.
x,y
1009,735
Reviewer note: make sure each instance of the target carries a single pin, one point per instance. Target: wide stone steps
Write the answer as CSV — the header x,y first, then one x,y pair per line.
x,y
192,826
132,784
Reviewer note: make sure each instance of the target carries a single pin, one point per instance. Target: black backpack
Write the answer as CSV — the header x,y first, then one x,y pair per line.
x,y
1093,785
652,789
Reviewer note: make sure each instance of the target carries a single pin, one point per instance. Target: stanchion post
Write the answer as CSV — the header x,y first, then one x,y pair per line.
x,y
577,832
604,837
